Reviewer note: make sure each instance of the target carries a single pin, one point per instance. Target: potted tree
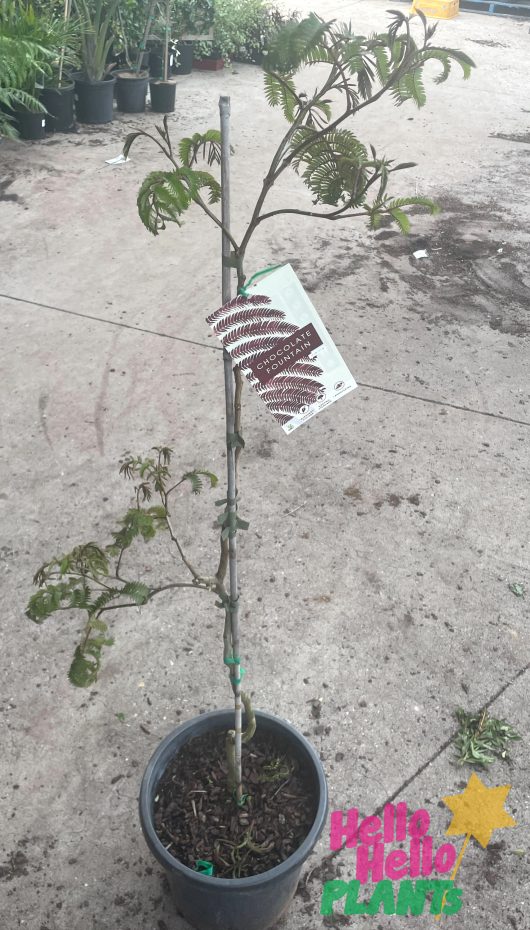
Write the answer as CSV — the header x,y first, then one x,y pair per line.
x,y
209,790
94,84
58,92
163,89
195,26
131,87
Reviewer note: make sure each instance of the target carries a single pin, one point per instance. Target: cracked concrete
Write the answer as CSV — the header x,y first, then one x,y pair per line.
x,y
383,534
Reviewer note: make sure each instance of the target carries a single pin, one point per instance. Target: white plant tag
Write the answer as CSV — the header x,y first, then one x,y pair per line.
x,y
117,160
282,346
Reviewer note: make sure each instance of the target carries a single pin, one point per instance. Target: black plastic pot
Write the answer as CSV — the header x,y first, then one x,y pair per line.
x,y
210,903
155,62
30,125
59,102
162,96
185,59
94,100
131,91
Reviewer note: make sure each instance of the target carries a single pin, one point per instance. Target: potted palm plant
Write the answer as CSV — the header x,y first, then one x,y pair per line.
x,y
94,84
230,811
39,41
22,59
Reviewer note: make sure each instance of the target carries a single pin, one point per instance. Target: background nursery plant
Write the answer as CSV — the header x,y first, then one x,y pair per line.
x,y
346,180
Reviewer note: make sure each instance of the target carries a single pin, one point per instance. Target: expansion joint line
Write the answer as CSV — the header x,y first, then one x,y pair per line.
x,y
214,348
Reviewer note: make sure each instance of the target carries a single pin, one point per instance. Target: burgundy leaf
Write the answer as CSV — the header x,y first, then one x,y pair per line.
x,y
237,303
284,400
275,329
247,316
286,407
282,418
303,368
251,349
284,382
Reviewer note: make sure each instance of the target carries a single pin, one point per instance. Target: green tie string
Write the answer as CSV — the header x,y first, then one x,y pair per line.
x,y
243,290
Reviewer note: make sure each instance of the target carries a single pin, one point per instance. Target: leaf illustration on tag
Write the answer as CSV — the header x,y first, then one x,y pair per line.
x,y
241,301
246,316
241,334
251,330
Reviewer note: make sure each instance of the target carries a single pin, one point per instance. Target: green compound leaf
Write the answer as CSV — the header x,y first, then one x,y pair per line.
x,y
165,196
139,592
196,476
206,145
86,662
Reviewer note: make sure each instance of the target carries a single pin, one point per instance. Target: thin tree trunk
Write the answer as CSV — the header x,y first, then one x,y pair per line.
x,y
143,43
67,5
165,74
235,668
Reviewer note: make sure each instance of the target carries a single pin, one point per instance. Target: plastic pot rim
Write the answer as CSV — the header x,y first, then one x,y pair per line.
x,y
143,76
295,861
56,89
79,77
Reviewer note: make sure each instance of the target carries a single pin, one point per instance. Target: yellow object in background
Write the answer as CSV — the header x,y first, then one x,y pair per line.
x,y
436,9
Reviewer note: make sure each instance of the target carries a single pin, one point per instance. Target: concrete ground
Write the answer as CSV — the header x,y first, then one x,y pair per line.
x,y
384,533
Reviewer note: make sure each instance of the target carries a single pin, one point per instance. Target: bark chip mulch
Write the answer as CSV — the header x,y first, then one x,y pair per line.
x,y
196,816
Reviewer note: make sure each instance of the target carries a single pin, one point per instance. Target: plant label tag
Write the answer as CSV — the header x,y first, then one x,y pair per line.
x,y
276,336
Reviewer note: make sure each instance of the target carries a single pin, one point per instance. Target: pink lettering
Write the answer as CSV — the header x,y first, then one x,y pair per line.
x,y
370,830
366,864
396,865
444,859
339,829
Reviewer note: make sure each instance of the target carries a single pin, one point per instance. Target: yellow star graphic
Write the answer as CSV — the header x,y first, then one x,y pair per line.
x,y
478,811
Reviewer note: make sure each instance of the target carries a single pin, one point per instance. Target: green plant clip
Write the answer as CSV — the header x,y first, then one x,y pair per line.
x,y
235,440
243,290
204,867
242,800
232,660
237,681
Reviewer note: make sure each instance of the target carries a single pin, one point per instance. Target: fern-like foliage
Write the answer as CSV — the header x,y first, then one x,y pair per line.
x,y
205,145
166,195
339,170
90,578
196,479
335,165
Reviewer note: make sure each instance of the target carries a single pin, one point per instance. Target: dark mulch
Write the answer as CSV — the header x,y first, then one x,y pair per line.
x,y
196,816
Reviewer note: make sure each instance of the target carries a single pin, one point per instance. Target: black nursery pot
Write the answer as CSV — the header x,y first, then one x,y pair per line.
x,y
185,59
131,92
253,903
59,102
156,62
30,125
94,100
162,96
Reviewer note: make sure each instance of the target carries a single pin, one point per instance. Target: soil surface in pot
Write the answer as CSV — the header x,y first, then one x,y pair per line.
x,y
196,816
131,75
